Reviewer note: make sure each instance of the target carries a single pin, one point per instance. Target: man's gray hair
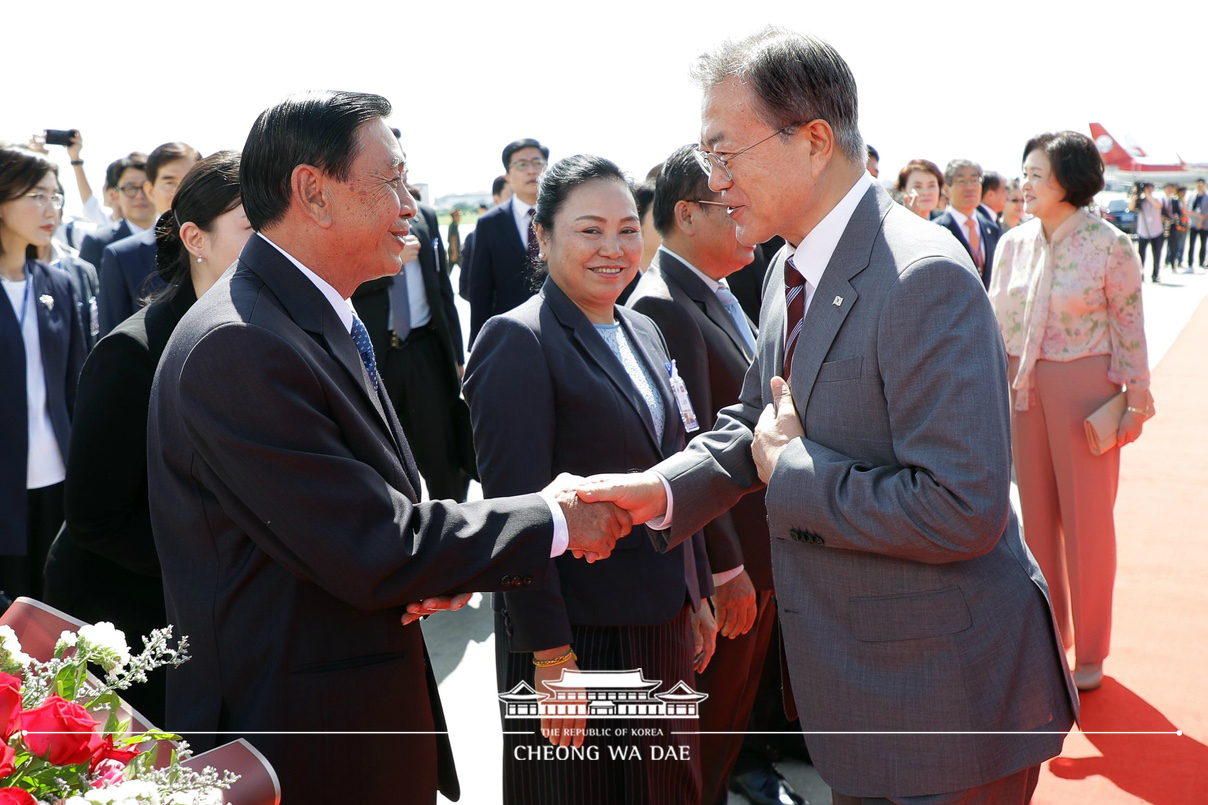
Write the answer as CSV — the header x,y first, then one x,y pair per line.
x,y
957,164
795,78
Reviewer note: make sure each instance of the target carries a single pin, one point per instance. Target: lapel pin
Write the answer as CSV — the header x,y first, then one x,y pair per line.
x,y
47,301
838,301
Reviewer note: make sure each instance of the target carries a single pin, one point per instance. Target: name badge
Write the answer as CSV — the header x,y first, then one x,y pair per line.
x,y
680,392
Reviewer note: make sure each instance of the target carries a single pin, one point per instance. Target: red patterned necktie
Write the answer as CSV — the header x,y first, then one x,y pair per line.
x,y
533,248
794,305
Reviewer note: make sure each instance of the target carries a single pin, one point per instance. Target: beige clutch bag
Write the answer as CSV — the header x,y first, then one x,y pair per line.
x,y
1103,426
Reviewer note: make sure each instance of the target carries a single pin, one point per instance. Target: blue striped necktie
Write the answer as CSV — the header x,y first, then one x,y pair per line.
x,y
360,337
730,302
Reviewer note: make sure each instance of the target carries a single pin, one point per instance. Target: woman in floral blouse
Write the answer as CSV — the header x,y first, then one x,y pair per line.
x,y
1067,294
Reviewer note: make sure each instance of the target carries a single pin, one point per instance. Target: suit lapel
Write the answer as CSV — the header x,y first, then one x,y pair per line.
x,y
592,345
311,311
513,235
834,297
39,287
675,272
657,368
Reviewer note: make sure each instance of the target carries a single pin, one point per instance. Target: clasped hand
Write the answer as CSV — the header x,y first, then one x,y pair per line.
x,y
778,426
593,526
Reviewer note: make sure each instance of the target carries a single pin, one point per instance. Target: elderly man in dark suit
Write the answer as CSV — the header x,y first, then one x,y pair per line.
x,y
127,268
284,494
963,218
416,336
712,341
505,244
920,641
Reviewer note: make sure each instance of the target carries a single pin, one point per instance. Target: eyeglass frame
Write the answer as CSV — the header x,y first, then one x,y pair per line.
x,y
56,200
705,201
525,164
707,159
131,190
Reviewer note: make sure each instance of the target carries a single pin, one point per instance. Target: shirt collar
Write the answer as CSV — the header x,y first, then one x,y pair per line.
x,y
520,209
342,306
812,255
135,229
959,216
709,281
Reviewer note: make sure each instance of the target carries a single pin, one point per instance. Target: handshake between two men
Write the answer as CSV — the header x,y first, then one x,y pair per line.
x,y
603,508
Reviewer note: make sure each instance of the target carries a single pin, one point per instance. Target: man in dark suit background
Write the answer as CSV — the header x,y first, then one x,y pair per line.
x,y
993,196
284,495
416,336
127,269
501,191
504,241
126,178
712,342
978,235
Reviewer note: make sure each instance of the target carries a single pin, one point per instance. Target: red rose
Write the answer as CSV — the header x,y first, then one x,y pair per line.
x,y
10,704
7,753
60,731
108,751
16,796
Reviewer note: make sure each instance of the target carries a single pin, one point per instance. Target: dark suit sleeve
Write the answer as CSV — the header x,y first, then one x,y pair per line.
x,y
686,345
270,449
106,493
511,398
463,267
90,250
482,284
113,299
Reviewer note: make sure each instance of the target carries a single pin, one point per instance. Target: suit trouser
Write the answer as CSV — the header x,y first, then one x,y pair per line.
x,y
731,680
1068,496
417,378
1014,789
1155,246
1202,236
25,575
1174,249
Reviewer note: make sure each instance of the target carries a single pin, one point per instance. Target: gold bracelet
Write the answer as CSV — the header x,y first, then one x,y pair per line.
x,y
1147,412
567,657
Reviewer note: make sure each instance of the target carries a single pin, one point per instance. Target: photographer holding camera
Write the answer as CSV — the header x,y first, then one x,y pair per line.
x,y
1149,224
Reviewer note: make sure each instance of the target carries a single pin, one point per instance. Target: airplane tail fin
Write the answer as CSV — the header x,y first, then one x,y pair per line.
x,y
1112,152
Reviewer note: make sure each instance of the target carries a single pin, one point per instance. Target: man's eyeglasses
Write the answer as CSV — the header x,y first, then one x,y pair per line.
x,y
525,164
54,200
710,203
132,190
966,181
717,160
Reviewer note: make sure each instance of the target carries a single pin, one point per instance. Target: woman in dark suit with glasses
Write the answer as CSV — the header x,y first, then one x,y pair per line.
x,y
569,382
41,352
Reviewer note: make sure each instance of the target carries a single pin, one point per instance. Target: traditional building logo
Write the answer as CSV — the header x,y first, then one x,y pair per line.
x,y
602,694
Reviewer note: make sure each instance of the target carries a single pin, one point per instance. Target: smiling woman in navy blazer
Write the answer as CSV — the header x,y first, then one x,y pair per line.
x,y
568,382
41,352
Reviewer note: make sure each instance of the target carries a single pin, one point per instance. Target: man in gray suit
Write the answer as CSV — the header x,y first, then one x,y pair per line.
x,y
922,651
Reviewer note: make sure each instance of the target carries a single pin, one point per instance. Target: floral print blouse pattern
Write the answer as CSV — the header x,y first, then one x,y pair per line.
x,y
1075,296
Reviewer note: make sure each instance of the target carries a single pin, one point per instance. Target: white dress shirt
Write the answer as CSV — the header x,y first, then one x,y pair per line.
x,y
44,459
960,219
343,308
810,259
521,218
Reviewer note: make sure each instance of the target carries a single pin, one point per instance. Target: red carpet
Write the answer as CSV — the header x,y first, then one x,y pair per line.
x,y
1157,674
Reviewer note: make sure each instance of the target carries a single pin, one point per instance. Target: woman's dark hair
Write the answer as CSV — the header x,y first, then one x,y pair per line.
x,y
923,165
1077,165
311,128
20,170
209,189
556,184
